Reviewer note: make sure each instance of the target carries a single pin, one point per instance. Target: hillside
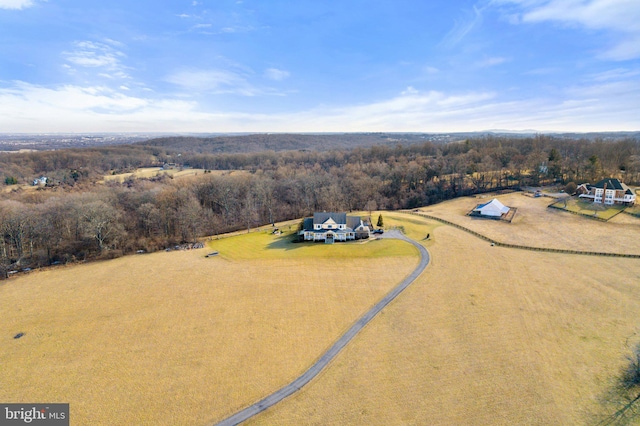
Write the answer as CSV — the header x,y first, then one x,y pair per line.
x,y
288,142
260,142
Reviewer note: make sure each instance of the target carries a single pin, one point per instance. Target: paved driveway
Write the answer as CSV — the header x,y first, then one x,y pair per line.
x,y
328,356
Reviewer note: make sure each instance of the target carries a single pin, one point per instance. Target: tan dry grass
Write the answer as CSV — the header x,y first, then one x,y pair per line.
x,y
175,338
537,225
486,336
150,172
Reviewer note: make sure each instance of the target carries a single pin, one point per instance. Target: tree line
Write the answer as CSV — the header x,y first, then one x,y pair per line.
x,y
76,218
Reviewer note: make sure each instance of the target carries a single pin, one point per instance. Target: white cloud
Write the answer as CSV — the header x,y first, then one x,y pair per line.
x,y
101,56
620,17
615,75
462,27
93,54
15,4
213,81
590,106
27,108
490,62
276,74
542,71
410,90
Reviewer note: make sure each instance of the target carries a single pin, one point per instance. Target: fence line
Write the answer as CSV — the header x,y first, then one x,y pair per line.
x,y
520,247
589,216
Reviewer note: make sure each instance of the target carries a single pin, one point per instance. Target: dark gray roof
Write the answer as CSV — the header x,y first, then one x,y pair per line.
x,y
612,183
339,218
353,221
307,225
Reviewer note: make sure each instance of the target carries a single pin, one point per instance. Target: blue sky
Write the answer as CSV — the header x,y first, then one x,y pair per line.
x,y
319,66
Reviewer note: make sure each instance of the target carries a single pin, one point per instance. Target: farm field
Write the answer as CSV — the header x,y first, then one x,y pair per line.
x,y
487,336
180,339
150,172
537,225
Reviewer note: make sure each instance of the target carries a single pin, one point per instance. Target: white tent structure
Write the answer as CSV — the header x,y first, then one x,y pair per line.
x,y
493,208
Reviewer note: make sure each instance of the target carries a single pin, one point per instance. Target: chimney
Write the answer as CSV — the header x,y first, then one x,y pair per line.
x,y
604,191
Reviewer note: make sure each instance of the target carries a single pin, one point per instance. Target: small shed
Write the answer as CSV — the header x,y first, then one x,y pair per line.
x,y
493,208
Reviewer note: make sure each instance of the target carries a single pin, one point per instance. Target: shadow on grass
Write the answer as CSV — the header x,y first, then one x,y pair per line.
x,y
290,242
287,242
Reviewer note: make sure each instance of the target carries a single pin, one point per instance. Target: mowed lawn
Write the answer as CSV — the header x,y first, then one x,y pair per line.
x,y
179,339
486,336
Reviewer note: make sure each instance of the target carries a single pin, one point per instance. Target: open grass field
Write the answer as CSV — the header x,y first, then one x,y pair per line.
x,y
537,225
150,172
179,339
486,336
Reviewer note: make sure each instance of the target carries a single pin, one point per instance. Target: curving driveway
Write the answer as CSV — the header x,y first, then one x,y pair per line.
x,y
328,356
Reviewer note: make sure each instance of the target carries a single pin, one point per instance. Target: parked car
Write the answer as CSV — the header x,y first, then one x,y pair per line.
x,y
378,231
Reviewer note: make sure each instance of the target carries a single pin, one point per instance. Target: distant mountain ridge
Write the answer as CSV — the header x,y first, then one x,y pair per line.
x,y
288,142
258,142
329,141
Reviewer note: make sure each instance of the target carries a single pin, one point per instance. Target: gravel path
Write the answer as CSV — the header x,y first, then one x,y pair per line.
x,y
328,356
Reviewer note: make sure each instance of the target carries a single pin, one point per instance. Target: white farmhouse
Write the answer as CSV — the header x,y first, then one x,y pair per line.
x,y
330,227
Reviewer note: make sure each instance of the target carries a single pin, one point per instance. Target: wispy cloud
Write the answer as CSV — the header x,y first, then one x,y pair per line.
x,y
276,74
25,107
92,54
542,71
490,62
213,81
431,70
590,106
615,74
15,4
99,55
462,27
620,17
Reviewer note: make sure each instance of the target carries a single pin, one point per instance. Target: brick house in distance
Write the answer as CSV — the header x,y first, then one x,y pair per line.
x,y
608,191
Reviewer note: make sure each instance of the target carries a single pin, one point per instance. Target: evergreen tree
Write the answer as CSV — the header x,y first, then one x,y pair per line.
x,y
380,222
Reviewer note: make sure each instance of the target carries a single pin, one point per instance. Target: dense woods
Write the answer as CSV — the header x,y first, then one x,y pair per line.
x,y
75,218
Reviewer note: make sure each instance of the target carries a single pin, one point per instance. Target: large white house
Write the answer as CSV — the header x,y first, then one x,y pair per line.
x,y
608,191
330,227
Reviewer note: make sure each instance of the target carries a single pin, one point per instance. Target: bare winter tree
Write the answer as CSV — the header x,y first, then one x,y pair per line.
x,y
101,222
